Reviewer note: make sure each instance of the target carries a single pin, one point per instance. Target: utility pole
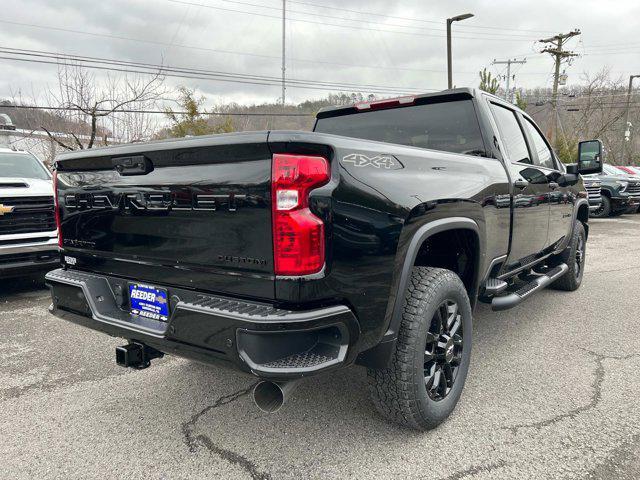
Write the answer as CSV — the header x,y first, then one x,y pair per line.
x,y
626,140
507,93
284,64
555,49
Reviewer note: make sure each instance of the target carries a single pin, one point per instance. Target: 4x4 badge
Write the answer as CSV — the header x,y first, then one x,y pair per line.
x,y
379,161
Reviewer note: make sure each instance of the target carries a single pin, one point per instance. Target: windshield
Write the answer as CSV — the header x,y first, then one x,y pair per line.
x,y
18,165
448,126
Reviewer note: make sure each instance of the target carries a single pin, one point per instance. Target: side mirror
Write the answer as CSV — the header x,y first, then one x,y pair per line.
x,y
567,179
590,153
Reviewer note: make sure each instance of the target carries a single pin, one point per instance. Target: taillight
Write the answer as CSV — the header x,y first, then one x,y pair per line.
x,y
57,207
298,235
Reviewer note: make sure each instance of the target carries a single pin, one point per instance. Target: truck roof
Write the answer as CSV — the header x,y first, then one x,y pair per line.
x,y
11,150
453,94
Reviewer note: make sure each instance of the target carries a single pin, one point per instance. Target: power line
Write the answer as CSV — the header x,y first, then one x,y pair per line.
x,y
163,69
350,26
628,52
212,50
614,45
437,22
577,96
249,114
196,77
592,106
299,12
100,110
220,77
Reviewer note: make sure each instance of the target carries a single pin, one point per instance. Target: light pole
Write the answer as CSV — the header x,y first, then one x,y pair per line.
x,y
457,18
625,125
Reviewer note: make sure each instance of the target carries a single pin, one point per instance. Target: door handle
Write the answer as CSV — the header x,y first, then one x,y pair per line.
x,y
521,184
554,185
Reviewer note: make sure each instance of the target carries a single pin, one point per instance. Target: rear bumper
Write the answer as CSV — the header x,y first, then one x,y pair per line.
x,y
267,341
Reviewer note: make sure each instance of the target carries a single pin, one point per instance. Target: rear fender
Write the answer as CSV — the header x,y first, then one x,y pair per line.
x,y
379,356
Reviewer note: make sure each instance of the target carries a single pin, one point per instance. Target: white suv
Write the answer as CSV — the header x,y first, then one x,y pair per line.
x,y
28,234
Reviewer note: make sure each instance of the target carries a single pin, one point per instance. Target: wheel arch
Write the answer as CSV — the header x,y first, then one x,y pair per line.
x,y
582,215
606,191
379,356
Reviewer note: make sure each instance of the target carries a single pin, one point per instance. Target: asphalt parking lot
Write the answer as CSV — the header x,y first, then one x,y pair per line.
x,y
552,393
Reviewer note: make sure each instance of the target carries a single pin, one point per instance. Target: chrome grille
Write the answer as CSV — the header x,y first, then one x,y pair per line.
x,y
634,189
593,190
29,214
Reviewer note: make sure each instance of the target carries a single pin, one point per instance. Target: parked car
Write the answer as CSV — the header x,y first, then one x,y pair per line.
x,y
28,235
634,174
238,249
628,171
593,186
620,193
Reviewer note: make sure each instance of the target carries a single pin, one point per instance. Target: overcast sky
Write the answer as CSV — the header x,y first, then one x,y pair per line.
x,y
397,44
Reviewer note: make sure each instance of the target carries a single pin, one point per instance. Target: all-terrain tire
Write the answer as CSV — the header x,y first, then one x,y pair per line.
x,y
399,392
574,256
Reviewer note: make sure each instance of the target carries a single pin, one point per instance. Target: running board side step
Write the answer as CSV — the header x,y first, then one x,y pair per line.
x,y
505,302
495,287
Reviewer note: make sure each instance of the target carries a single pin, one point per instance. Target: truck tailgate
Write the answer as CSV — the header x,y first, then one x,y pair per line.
x,y
187,214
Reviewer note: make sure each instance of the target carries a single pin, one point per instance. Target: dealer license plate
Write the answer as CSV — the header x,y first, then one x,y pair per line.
x,y
149,302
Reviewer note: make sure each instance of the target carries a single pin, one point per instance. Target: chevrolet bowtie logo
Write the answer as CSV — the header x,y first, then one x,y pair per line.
x,y
6,209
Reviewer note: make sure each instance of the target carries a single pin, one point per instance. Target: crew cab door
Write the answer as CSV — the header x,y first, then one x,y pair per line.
x,y
560,197
530,189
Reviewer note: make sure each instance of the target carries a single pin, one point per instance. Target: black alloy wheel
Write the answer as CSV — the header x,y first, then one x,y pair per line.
x,y
579,256
574,256
443,352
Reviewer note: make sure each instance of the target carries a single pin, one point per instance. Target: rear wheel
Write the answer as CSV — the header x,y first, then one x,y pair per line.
x,y
603,210
429,366
574,256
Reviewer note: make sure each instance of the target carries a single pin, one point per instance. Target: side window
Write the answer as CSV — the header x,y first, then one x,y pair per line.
x,y
545,157
512,136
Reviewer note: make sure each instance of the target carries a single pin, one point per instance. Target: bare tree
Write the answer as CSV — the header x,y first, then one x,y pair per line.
x,y
593,109
93,110
597,110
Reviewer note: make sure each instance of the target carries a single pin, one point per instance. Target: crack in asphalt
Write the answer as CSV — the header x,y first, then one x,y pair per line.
x,y
228,455
187,427
474,470
596,395
234,458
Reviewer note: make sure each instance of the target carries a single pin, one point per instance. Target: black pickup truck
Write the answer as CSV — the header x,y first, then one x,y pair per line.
x,y
286,254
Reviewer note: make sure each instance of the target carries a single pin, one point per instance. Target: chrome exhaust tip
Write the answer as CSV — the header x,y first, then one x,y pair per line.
x,y
270,396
